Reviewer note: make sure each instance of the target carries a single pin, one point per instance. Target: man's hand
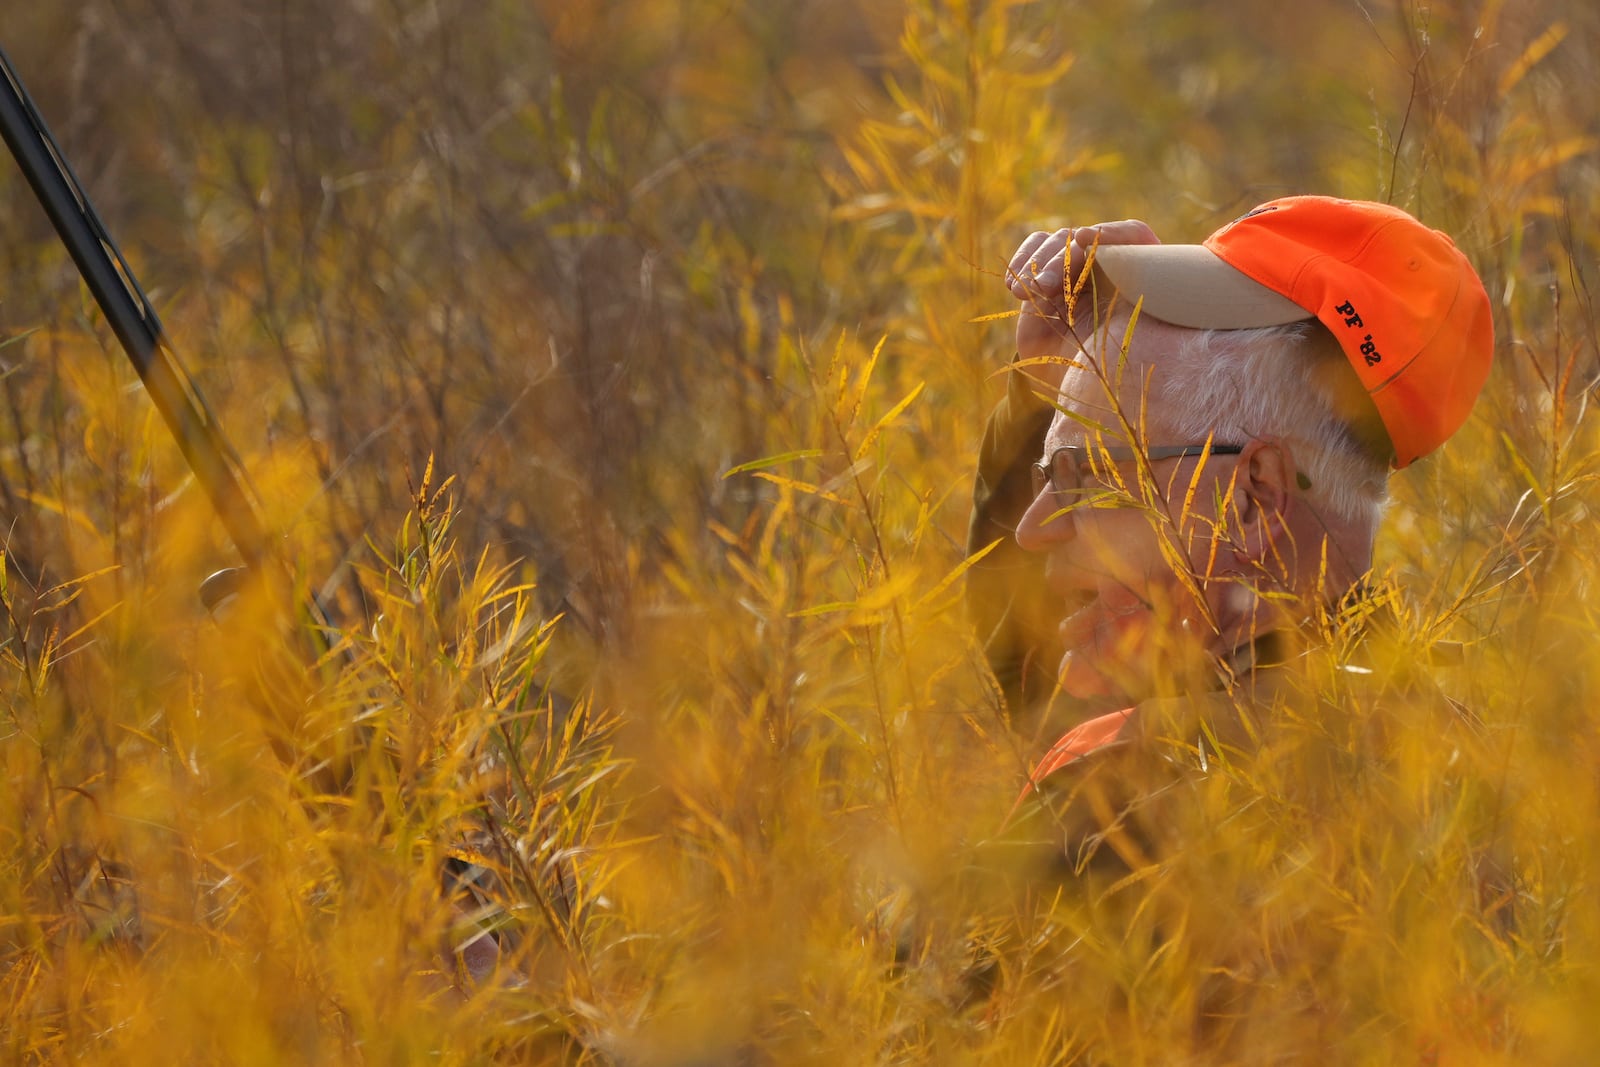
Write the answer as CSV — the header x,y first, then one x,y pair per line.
x,y
1045,268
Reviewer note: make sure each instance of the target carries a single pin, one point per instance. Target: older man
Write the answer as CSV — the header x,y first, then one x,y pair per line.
x,y
1210,476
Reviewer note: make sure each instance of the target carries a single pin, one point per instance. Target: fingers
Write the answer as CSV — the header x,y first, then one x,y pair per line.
x,y
1123,232
1032,259
1046,262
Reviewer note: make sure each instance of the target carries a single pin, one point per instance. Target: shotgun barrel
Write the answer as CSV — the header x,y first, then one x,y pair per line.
x,y
131,317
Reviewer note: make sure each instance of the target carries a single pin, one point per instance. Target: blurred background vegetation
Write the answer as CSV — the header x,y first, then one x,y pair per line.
x,y
492,297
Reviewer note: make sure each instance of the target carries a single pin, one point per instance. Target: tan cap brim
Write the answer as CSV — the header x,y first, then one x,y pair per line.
x,y
1188,285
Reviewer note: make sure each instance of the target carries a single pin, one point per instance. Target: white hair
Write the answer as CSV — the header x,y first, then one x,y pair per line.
x,y
1237,385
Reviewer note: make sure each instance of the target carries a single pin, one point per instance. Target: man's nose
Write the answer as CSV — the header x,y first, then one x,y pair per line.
x,y
1045,523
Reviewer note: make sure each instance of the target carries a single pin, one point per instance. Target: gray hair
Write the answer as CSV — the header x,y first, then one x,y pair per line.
x,y
1280,381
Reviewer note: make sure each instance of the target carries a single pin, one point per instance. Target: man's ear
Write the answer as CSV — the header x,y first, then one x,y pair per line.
x,y
1262,497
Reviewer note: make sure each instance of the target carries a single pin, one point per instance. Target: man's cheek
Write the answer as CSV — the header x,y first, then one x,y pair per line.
x,y
1125,552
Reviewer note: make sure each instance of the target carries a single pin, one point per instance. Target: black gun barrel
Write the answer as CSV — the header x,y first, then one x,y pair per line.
x,y
130,315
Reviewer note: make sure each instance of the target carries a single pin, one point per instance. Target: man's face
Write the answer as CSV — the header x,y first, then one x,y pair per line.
x,y
1128,617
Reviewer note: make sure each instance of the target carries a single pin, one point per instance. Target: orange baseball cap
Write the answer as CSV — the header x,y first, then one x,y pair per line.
x,y
1406,306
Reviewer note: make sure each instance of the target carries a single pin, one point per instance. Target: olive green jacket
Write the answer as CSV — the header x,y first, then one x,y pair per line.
x,y
1007,601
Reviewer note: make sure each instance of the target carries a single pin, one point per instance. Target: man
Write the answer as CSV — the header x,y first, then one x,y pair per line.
x,y
1205,489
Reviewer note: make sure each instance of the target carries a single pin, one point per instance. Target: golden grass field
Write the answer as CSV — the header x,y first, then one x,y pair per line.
x,y
614,372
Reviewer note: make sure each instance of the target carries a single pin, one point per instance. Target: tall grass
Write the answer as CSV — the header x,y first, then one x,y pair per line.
x,y
615,374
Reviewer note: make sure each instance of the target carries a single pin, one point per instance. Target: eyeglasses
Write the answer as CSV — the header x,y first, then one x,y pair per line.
x,y
1070,467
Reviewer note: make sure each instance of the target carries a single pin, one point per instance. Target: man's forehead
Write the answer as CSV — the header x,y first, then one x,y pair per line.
x,y
1083,395
1087,386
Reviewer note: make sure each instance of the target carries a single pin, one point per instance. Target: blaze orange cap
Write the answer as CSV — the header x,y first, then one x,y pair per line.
x,y
1403,302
